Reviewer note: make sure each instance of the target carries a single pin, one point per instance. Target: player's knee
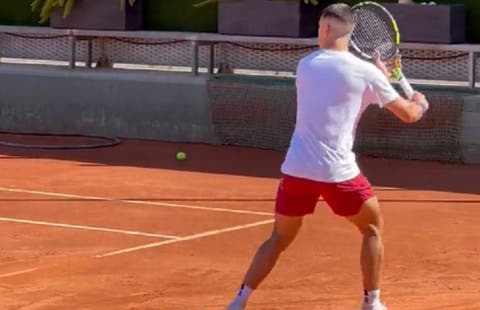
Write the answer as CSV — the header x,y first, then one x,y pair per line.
x,y
369,221
371,227
371,230
379,224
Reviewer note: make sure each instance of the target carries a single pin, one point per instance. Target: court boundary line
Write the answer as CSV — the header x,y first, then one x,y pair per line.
x,y
186,238
171,239
20,272
88,228
139,202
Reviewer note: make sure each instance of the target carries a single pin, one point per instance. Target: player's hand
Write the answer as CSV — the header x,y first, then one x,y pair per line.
x,y
419,98
381,65
421,101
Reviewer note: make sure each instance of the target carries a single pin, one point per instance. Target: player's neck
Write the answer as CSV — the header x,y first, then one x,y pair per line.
x,y
337,45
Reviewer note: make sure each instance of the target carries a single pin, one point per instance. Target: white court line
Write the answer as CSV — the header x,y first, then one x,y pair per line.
x,y
90,228
191,237
152,203
16,273
25,191
174,205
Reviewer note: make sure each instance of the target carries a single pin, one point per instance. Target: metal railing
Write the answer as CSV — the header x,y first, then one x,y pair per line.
x,y
457,62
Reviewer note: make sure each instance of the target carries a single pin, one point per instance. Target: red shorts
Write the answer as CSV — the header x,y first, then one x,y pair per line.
x,y
298,197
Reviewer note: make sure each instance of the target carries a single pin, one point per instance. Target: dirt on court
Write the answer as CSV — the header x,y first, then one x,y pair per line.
x,y
130,227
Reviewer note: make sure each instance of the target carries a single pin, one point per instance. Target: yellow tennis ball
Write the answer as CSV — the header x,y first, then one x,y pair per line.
x,y
181,156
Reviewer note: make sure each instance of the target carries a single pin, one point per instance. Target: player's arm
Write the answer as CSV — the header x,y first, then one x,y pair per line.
x,y
409,111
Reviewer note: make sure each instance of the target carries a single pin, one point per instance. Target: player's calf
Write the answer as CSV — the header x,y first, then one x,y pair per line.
x,y
284,232
369,222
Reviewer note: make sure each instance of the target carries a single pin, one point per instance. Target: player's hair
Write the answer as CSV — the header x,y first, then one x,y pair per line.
x,y
341,12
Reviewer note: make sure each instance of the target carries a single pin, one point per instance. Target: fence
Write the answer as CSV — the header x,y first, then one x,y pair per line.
x,y
191,51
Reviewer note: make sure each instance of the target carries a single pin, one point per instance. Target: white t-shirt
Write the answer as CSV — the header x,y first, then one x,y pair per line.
x,y
333,89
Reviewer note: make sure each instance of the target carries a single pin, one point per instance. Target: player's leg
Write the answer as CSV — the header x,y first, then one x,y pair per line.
x,y
356,201
284,232
370,224
295,198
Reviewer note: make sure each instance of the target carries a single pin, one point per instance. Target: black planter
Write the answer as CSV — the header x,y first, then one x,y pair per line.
x,y
268,18
430,23
100,15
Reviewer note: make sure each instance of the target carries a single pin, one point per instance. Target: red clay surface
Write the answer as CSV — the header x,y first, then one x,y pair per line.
x,y
432,238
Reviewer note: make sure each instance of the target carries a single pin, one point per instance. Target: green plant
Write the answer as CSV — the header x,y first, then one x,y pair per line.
x,y
46,7
314,2
18,12
179,15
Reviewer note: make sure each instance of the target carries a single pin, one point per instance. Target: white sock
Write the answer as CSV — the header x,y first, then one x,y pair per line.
x,y
371,297
243,294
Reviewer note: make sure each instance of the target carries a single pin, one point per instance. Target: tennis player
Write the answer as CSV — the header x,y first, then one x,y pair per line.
x,y
333,89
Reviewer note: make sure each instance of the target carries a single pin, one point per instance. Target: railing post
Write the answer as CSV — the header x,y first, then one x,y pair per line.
x,y
472,68
211,65
196,52
89,53
73,51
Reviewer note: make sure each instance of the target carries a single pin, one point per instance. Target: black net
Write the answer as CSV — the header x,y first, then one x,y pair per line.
x,y
260,112
435,137
253,111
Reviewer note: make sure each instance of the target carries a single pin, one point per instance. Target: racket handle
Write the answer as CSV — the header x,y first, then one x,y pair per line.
x,y
407,88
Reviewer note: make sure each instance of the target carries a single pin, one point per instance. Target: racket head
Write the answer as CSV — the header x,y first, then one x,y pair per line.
x,y
375,30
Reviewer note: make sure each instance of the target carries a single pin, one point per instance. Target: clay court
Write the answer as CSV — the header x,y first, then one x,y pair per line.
x,y
129,227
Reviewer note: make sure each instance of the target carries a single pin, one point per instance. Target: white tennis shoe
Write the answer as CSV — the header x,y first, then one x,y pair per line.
x,y
377,306
236,305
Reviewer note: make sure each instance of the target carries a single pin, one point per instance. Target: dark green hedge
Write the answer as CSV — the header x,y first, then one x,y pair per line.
x,y
179,15
17,12
171,15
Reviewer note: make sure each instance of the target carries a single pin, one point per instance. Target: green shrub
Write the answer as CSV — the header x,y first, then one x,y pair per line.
x,y
179,15
18,12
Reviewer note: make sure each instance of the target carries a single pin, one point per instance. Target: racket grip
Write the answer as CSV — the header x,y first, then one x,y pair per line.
x,y
407,88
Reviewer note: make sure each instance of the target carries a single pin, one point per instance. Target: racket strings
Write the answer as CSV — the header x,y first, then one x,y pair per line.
x,y
373,31
375,36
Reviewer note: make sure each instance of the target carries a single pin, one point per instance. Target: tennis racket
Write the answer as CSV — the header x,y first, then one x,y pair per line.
x,y
376,31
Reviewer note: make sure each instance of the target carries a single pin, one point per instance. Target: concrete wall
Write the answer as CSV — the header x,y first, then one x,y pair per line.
x,y
133,104
471,130
164,106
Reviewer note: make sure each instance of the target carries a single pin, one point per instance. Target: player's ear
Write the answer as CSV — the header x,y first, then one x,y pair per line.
x,y
320,22
328,28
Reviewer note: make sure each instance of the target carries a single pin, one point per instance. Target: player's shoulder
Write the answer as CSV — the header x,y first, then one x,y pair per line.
x,y
307,62
368,68
360,63
308,58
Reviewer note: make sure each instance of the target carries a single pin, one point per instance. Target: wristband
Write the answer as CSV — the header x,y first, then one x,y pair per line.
x,y
423,106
